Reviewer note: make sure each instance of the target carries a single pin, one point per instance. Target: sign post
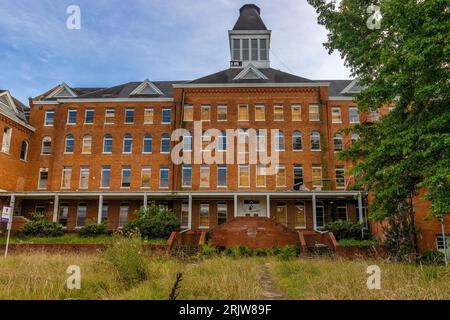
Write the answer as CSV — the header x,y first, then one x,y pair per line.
x,y
7,215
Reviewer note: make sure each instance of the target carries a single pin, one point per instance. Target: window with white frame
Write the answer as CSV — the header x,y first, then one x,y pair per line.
x,y
6,140
315,141
63,214
353,113
260,112
187,176
107,143
187,141
127,144
340,177
81,215
297,144
69,144
49,119
222,113
243,112
278,113
147,145
355,138
105,209
165,143
260,176
222,143
89,116
279,142
184,219
281,176
47,146
317,176
126,177
66,177
149,114
338,142
84,177
206,113
237,49
129,116
110,114
296,112
281,213
244,176
205,176
243,141
341,211
300,216
24,150
222,176
204,215
222,213
298,177
146,176
336,115
441,245
261,140
188,113
106,177
206,141
87,145
166,116
123,214
71,117
314,114
164,177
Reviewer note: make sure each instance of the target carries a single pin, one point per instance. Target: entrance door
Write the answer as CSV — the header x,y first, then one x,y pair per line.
x,y
282,213
252,208
320,215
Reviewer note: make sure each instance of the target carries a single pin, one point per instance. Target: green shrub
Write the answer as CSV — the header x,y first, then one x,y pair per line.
x,y
93,230
345,230
229,252
289,252
432,257
153,222
127,260
208,250
276,251
40,226
262,252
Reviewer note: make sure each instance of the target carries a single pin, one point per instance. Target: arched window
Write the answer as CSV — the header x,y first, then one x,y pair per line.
x,y
338,142
70,141
355,137
87,145
147,146
24,151
187,141
297,141
165,143
279,141
107,143
46,146
127,143
315,141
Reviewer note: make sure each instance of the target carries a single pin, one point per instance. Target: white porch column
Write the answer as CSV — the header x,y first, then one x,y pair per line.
x,y
55,208
268,205
100,209
145,200
314,211
360,210
12,202
235,205
190,212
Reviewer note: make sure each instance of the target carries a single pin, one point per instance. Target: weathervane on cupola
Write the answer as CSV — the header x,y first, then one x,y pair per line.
x,y
250,40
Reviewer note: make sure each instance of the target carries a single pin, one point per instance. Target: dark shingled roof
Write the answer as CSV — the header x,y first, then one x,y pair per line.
x,y
122,91
273,76
21,109
250,19
336,87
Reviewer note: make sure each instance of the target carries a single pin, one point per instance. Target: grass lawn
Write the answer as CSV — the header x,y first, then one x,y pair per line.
x,y
43,276
70,239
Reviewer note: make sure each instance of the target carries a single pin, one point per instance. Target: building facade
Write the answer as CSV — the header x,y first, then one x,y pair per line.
x,y
97,154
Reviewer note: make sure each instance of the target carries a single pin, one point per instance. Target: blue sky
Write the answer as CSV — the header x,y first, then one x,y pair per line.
x,y
131,40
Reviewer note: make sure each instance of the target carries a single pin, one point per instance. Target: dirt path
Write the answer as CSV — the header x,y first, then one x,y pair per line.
x,y
270,291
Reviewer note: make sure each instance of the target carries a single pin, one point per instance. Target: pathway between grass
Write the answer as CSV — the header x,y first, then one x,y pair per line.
x,y
270,291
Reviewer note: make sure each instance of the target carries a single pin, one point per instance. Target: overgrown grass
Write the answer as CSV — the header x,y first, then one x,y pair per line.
x,y
340,279
72,238
360,243
43,276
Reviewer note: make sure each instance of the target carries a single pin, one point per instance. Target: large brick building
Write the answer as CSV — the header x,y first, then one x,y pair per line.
x,y
97,154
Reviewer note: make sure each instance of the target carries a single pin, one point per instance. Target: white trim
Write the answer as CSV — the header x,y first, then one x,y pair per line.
x,y
110,100
250,68
11,101
340,99
62,86
348,89
142,86
251,85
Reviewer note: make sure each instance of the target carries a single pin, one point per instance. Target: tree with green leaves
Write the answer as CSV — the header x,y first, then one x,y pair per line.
x,y
403,61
